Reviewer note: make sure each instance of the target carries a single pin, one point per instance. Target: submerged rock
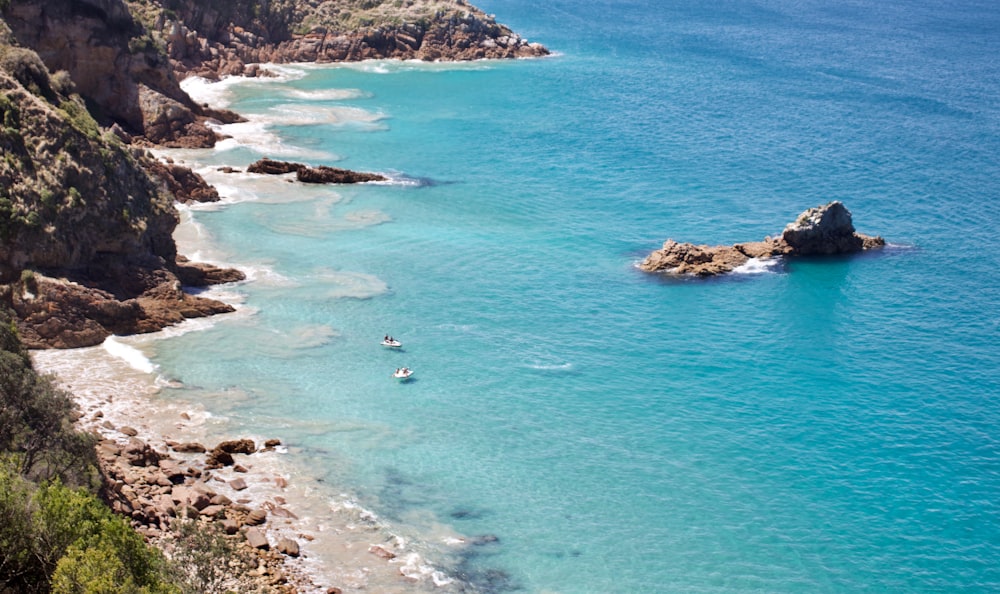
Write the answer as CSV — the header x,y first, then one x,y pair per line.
x,y
825,229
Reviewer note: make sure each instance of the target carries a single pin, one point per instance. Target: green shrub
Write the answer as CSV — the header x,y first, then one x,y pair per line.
x,y
92,571
68,534
78,117
25,65
9,113
36,419
198,553
63,84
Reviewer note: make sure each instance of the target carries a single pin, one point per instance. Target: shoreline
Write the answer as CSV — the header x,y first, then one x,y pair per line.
x,y
121,397
345,547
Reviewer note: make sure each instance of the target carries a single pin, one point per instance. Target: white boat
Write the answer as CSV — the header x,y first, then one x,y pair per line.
x,y
403,373
391,343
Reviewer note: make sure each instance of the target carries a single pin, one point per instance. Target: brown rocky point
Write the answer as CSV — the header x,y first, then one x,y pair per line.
x,y
823,230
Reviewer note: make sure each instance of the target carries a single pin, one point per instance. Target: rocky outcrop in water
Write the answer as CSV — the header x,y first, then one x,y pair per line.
x,y
823,230
184,184
313,175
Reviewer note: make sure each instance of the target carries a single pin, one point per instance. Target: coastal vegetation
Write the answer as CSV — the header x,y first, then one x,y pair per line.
x,y
55,533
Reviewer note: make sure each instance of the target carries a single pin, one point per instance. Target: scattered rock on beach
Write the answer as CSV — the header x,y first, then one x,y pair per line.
x,y
256,517
381,552
218,459
256,539
288,547
189,448
237,446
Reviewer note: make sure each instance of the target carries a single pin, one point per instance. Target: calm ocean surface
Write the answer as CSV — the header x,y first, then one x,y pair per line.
x,y
823,426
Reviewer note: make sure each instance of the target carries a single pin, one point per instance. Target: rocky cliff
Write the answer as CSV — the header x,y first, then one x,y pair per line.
x,y
86,246
86,216
116,65
216,37
824,230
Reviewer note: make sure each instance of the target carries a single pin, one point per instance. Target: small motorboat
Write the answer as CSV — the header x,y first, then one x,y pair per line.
x,y
403,373
391,343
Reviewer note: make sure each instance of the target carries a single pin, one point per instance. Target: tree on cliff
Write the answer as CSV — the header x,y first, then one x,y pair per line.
x,y
54,537
36,424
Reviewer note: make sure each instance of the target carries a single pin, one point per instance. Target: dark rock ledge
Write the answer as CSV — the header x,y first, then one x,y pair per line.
x,y
823,230
314,175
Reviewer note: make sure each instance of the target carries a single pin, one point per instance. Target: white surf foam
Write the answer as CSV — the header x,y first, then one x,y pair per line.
x,y
218,93
326,94
135,358
758,266
297,114
382,66
255,134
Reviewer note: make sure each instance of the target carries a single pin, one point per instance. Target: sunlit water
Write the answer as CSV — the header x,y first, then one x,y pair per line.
x,y
816,426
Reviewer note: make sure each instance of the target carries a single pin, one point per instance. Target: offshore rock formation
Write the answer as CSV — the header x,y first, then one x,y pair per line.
x,y
313,175
823,230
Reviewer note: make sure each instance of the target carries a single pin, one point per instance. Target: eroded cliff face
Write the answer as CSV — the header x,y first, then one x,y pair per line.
x,y
70,193
116,65
86,246
213,38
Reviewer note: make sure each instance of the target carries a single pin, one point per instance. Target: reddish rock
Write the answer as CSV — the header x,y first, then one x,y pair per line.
x,y
381,552
256,517
256,539
237,446
138,453
172,471
238,484
184,184
218,459
213,511
287,546
822,230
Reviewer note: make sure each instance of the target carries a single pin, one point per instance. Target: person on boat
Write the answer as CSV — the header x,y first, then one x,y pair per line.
x,y
387,339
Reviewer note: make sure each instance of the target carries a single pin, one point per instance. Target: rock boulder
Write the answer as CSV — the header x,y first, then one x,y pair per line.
x,y
822,230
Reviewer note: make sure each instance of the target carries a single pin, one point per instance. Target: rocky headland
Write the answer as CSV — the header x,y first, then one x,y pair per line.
x,y
216,38
823,230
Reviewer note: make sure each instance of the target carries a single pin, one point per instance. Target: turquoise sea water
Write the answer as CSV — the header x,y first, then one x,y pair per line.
x,y
819,426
